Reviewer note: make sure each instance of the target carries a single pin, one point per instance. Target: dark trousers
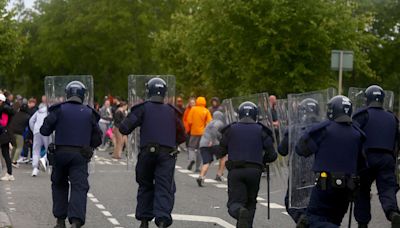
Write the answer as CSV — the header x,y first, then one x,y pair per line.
x,y
381,167
5,151
295,213
70,166
156,193
243,186
327,207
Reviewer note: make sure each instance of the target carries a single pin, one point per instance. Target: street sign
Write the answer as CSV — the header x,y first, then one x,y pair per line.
x,y
347,62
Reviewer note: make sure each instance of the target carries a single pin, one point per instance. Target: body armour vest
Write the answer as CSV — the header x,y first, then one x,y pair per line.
x,y
339,149
380,130
158,126
74,125
245,143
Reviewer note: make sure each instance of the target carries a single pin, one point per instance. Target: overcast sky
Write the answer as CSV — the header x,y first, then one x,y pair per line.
x,y
28,3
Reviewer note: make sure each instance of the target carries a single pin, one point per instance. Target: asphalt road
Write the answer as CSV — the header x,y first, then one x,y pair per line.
x,y
112,199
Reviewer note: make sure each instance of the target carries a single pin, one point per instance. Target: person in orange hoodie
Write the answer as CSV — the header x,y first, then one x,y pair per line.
x,y
198,118
190,105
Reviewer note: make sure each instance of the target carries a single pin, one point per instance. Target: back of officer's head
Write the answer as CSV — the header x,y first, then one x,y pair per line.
x,y
75,89
248,110
340,109
156,89
308,110
375,96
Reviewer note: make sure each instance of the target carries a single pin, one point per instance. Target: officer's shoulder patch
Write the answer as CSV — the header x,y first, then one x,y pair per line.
x,y
176,109
265,129
55,106
319,126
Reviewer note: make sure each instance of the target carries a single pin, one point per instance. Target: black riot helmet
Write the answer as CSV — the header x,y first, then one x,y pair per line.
x,y
248,110
308,110
340,109
375,96
156,89
76,89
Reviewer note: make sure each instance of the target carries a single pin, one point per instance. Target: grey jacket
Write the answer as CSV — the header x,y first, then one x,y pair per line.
x,y
212,133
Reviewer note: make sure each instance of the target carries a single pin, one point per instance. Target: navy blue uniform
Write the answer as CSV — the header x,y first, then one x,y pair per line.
x,y
338,151
381,128
77,133
245,143
161,130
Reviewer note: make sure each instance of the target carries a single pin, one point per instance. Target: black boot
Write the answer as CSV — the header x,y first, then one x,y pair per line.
x,y
76,223
360,225
162,225
60,223
244,218
395,218
144,224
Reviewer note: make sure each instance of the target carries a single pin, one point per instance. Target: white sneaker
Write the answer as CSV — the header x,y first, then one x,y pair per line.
x,y
7,177
35,172
21,160
43,164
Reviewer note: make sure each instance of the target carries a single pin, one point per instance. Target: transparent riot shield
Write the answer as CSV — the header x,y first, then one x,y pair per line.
x,y
282,112
301,176
137,94
54,87
358,99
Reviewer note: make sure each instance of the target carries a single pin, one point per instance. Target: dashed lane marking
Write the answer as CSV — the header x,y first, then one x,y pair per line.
x,y
113,221
106,213
100,206
184,171
197,218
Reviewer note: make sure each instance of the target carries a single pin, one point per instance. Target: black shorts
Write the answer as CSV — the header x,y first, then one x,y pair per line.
x,y
208,153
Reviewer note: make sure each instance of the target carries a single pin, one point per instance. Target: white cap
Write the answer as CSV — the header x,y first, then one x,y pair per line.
x,y
2,97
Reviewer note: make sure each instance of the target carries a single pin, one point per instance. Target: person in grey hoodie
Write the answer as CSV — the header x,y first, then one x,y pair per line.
x,y
39,140
209,147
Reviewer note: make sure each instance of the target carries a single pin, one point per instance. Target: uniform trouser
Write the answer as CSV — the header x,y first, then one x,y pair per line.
x,y
295,213
73,167
327,207
243,186
5,151
19,140
382,169
156,193
38,142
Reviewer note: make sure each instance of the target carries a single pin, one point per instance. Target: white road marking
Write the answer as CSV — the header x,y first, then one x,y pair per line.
x,y
108,163
210,181
100,206
106,213
12,209
113,221
184,171
260,199
273,205
90,195
197,218
94,200
194,175
11,203
8,193
7,189
100,162
221,186
178,167
122,163
285,213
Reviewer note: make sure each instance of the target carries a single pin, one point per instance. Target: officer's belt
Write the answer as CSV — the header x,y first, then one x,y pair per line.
x,y
68,148
157,148
326,180
242,165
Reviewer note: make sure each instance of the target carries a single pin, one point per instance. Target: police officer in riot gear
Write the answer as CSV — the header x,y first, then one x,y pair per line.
x,y
308,110
161,130
249,146
76,135
337,146
381,128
